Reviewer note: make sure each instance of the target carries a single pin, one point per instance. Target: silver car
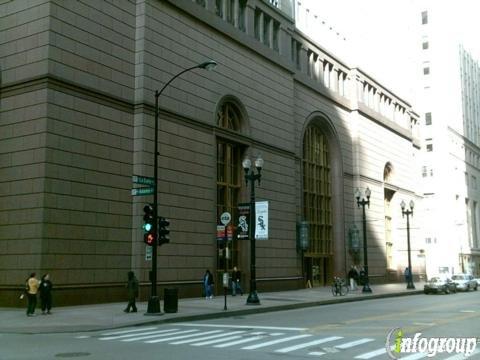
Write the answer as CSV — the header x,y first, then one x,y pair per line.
x,y
437,285
465,282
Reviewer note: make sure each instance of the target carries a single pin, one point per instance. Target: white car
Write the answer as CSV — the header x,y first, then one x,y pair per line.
x,y
465,282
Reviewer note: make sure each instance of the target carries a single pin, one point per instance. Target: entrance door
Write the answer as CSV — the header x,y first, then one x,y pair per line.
x,y
318,270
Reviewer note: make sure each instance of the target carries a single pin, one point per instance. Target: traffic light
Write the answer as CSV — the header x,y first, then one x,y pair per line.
x,y
163,231
148,225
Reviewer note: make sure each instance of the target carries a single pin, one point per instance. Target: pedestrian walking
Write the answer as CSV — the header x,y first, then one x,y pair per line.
x,y
132,292
32,286
353,278
208,284
46,294
407,274
236,287
362,277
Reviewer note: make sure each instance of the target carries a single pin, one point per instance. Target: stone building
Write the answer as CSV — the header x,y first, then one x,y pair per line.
x,y
78,80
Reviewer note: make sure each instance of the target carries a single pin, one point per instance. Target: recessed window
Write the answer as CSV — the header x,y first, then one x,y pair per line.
x,y
258,17
424,17
276,33
429,147
428,118
219,8
426,70
425,45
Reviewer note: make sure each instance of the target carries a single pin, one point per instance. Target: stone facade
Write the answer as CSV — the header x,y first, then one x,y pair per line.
x,y
76,122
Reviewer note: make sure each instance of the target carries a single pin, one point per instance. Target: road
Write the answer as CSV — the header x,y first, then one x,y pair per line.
x,y
355,330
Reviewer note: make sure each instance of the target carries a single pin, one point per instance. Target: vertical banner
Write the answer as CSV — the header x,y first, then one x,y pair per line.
x,y
243,221
261,221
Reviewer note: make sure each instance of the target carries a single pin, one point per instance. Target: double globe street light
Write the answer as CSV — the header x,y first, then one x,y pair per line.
x,y
409,213
362,203
251,176
154,301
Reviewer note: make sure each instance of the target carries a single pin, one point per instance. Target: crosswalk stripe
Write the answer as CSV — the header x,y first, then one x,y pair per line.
x,y
242,341
415,356
273,342
316,353
463,356
373,353
308,344
128,331
209,342
174,337
242,326
156,335
353,343
202,338
222,336
136,334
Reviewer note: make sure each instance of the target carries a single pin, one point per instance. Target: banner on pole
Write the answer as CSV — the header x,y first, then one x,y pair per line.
x,y
261,220
243,221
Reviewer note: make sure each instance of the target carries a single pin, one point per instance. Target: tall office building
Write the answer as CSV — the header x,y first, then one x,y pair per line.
x,y
449,102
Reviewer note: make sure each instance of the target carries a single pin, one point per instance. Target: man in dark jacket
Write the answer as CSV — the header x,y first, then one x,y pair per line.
x,y
236,277
46,294
132,292
353,277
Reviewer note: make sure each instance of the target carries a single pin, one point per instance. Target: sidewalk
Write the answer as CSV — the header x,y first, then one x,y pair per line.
x,y
108,316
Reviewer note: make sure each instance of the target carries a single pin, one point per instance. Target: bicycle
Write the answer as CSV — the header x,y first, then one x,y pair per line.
x,y
339,287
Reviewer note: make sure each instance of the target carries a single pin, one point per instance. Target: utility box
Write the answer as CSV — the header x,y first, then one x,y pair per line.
x,y
170,300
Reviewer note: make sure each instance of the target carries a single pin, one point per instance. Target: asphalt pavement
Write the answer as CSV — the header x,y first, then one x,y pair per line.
x,y
107,316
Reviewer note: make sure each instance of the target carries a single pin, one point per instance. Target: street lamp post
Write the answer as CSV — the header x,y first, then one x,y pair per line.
x,y
252,177
407,212
362,203
154,301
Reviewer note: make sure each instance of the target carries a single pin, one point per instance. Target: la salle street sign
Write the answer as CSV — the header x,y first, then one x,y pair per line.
x,y
144,180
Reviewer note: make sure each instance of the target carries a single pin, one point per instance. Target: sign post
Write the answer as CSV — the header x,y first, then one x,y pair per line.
x,y
225,220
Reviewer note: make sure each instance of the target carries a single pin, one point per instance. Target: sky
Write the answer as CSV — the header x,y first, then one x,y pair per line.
x,y
380,35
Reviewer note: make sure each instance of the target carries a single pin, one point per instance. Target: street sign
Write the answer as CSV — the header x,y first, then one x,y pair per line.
x,y
148,253
144,180
225,218
142,191
220,232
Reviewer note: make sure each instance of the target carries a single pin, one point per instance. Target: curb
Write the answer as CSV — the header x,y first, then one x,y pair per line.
x,y
252,309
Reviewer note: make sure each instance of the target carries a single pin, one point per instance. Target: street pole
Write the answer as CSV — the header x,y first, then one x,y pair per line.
x,y
252,296
407,212
252,177
153,307
362,203
225,285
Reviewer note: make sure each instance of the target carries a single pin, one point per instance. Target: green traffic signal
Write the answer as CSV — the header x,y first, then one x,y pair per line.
x,y
148,222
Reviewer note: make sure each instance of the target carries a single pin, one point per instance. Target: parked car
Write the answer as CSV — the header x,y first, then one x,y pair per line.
x,y
465,282
477,280
440,285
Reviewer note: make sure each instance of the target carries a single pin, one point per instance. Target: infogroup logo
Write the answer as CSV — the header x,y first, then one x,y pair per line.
x,y
398,344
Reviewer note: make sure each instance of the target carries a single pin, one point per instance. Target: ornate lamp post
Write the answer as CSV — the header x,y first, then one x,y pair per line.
x,y
407,212
154,301
252,177
362,203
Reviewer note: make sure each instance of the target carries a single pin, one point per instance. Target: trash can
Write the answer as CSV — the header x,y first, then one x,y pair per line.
x,y
170,300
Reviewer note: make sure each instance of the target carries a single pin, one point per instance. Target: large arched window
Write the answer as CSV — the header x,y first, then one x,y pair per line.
x,y
229,116
229,177
317,205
